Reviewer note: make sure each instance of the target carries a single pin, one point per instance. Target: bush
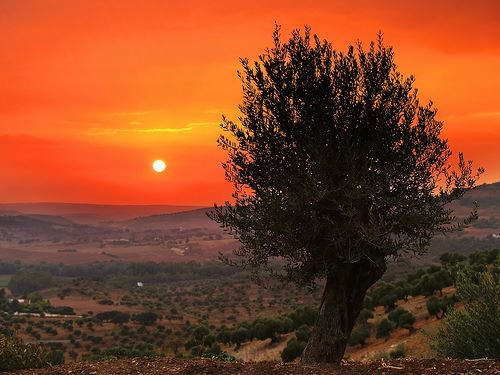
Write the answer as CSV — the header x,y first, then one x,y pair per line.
x,y
384,328
293,349
146,318
436,307
475,331
61,310
113,316
398,352
364,315
386,294
268,328
239,336
55,357
359,334
15,355
303,333
24,282
403,319
304,315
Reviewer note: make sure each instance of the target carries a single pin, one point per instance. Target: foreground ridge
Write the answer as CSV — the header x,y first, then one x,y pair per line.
x,y
154,366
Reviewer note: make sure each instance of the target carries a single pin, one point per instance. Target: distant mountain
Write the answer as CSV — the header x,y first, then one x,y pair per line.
x,y
180,220
90,213
45,227
487,195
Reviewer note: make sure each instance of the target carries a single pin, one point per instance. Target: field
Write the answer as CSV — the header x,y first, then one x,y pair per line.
x,y
193,312
152,285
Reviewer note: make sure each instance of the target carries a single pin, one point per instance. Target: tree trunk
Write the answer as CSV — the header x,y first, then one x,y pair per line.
x,y
340,306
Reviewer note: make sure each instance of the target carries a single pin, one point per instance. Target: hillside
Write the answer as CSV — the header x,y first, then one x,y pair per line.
x,y
90,213
182,220
164,366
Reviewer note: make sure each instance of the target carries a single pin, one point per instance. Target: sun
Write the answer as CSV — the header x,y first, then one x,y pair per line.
x,y
159,166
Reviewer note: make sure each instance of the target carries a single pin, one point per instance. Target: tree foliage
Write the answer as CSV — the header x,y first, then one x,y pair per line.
x,y
384,328
473,332
14,355
293,349
334,160
336,167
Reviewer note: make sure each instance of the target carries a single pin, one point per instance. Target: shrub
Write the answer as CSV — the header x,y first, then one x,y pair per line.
x,y
239,336
475,331
385,294
55,357
146,318
15,355
398,352
268,328
403,319
359,334
24,282
384,328
304,315
436,307
303,333
61,310
293,349
364,315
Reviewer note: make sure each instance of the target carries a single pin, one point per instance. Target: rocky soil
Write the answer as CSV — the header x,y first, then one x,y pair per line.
x,y
204,366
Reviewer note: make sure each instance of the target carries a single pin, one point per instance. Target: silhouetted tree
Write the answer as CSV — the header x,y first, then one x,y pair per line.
x,y
336,167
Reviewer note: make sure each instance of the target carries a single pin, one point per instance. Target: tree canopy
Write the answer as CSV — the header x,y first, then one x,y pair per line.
x,y
334,160
336,167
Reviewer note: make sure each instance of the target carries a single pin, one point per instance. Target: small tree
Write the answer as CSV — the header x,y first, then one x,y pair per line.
x,y
336,167
239,336
303,333
436,307
473,332
360,334
384,329
267,328
364,315
293,349
403,319
146,318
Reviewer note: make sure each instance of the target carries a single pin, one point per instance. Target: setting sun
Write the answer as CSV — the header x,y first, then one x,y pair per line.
x,y
159,166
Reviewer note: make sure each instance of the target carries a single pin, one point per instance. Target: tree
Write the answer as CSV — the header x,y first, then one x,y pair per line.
x,y
146,318
55,357
360,334
239,336
364,315
451,258
436,307
474,331
403,319
267,328
200,332
24,282
303,333
336,167
386,294
224,336
293,349
384,328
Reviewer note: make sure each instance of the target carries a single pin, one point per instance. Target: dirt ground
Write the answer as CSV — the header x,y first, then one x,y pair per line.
x,y
205,366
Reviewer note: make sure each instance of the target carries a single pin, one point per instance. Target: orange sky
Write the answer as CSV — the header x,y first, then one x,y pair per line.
x,y
92,91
